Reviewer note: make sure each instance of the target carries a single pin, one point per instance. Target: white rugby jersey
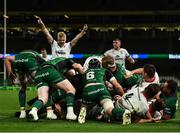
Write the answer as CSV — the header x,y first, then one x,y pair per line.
x,y
58,51
135,100
119,55
145,84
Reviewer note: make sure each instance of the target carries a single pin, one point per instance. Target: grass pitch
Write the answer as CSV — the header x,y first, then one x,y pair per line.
x,y
8,123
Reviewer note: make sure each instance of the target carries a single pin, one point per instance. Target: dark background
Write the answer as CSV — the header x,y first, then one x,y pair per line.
x,y
83,5
144,26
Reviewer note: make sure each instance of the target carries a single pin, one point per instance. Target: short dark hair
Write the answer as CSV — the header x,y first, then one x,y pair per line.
x,y
117,39
172,85
43,49
151,90
150,70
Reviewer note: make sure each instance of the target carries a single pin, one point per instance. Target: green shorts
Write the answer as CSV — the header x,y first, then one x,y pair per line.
x,y
25,63
48,76
95,93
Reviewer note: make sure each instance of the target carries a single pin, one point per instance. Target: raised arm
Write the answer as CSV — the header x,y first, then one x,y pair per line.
x,y
79,36
44,29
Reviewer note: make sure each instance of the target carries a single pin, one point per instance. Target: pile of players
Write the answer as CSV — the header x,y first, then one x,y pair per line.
x,y
104,90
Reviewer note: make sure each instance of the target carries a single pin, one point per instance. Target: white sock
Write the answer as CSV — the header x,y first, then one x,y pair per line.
x,y
35,109
49,109
22,108
70,110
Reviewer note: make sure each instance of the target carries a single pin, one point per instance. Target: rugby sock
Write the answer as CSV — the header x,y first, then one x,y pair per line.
x,y
117,112
70,99
70,110
49,102
22,98
38,104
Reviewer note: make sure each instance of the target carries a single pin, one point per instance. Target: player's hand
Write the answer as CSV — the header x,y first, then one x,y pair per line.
x,y
156,120
85,28
39,20
57,107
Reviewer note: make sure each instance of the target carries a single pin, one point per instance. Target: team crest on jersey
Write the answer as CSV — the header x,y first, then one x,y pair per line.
x,y
117,57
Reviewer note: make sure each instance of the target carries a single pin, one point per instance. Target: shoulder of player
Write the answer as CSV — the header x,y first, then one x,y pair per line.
x,y
123,49
109,51
67,43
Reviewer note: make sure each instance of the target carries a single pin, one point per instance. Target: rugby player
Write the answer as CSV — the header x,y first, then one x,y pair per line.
x,y
95,92
51,75
60,48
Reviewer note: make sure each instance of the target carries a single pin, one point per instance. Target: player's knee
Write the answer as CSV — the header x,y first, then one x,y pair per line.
x,y
44,100
71,91
43,94
66,86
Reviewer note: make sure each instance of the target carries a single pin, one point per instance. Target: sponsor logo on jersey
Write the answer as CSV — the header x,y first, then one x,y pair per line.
x,y
42,75
60,52
96,91
117,57
22,60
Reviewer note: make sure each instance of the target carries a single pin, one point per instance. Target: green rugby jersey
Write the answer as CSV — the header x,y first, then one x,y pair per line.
x,y
170,105
99,75
61,64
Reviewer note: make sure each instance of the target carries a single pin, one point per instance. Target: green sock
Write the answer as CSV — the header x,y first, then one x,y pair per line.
x,y
22,98
117,113
58,95
70,99
49,102
38,104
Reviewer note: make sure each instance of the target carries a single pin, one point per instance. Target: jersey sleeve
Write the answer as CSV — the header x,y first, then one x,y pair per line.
x,y
127,55
106,53
39,58
69,45
170,107
53,43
